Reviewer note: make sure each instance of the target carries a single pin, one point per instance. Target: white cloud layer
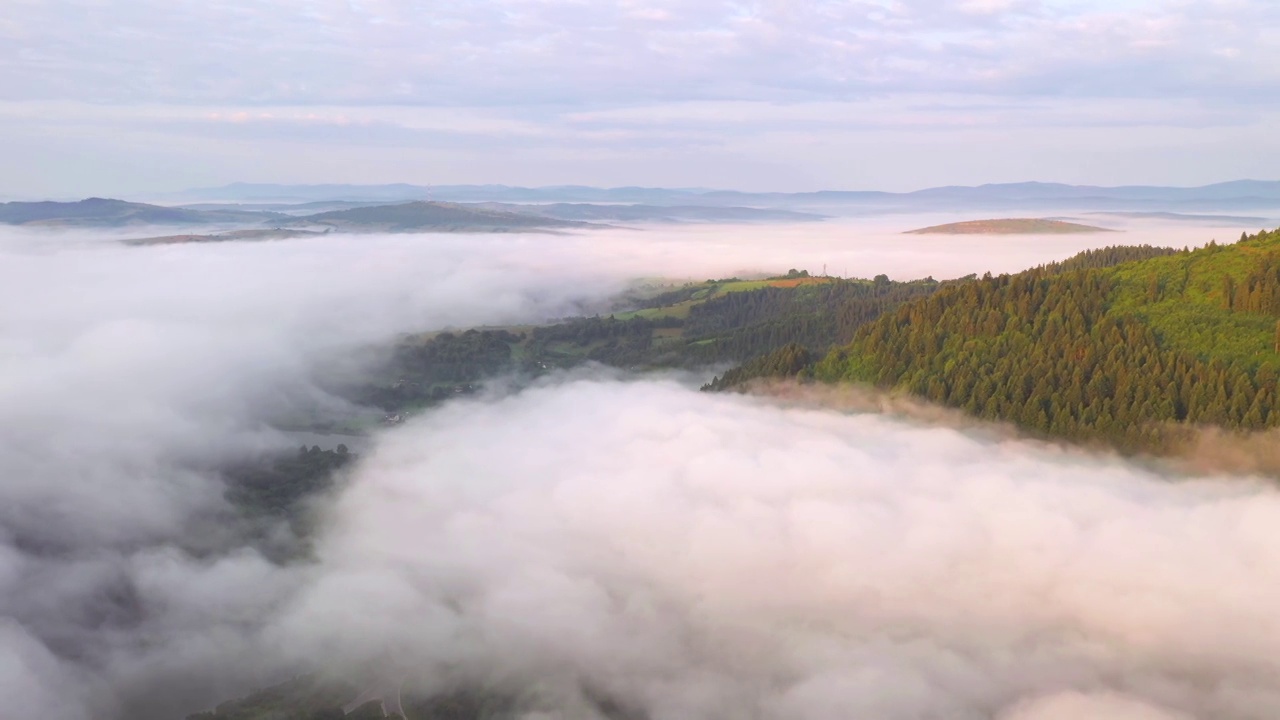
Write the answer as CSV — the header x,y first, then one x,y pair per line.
x,y
126,375
697,556
500,51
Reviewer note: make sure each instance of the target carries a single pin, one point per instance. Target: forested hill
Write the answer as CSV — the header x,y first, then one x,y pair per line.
x,y
1092,348
695,325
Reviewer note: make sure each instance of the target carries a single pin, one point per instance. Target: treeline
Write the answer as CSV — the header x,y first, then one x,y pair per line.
x,y
1106,257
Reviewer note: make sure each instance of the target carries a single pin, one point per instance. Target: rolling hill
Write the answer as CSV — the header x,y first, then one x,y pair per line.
x,y
429,216
592,212
1008,226
103,212
587,212
295,209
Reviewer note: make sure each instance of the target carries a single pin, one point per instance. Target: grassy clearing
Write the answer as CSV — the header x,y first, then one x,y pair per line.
x,y
714,289
743,286
679,310
797,282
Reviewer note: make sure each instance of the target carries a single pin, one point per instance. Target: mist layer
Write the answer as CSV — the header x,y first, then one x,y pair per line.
x,y
694,556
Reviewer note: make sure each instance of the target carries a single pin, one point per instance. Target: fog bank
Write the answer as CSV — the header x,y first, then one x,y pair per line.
x,y
127,375
866,247
696,556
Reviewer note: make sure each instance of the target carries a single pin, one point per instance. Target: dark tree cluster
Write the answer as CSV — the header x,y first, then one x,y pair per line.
x,y
276,485
585,331
787,361
425,372
792,274
623,343
457,358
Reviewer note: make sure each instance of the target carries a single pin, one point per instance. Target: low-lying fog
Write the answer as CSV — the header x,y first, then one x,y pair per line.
x,y
687,555
868,247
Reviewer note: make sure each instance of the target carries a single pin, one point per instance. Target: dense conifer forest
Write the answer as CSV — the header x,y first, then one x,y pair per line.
x,y
1119,344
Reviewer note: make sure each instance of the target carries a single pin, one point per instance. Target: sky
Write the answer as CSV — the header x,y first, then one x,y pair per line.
x,y
143,96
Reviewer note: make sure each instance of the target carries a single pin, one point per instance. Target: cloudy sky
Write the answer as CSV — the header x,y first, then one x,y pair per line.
x,y
138,96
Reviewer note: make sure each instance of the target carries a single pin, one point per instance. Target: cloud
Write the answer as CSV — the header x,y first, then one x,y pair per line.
x,y
127,378
900,143
1105,706
508,52
509,78
718,557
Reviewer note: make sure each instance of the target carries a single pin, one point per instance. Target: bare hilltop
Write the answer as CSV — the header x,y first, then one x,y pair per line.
x,y
1009,226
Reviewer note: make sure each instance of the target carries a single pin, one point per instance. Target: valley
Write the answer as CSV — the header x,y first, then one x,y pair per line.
x,y
640,360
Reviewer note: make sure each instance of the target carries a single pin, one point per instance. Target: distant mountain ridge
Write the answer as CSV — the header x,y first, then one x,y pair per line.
x,y
1233,194
429,216
247,204
371,216
103,212
402,217
595,212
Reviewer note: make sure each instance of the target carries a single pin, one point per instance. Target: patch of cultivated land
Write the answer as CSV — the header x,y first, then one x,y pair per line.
x,y
1009,226
714,288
